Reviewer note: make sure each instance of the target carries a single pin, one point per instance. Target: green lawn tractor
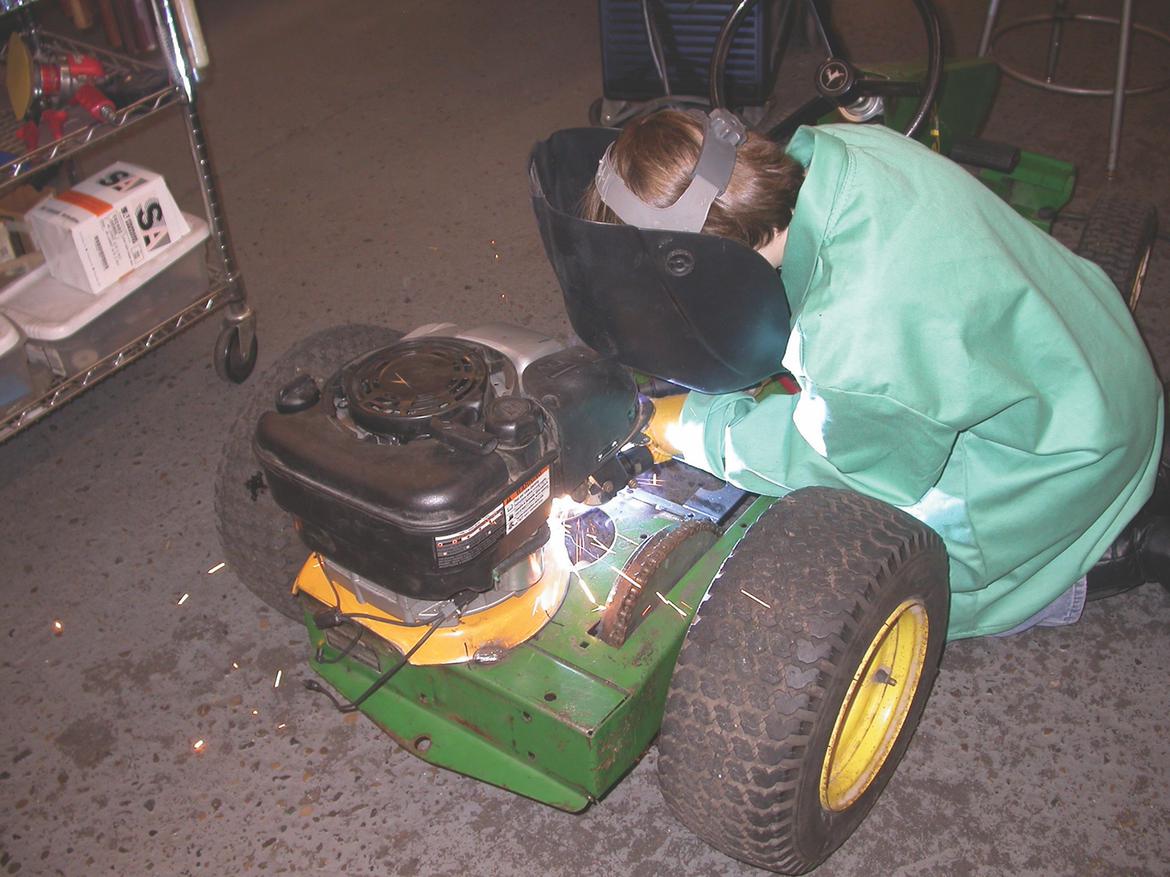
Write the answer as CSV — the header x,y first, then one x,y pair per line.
x,y
493,570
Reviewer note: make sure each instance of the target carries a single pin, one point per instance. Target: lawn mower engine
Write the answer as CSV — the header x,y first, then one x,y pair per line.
x,y
421,477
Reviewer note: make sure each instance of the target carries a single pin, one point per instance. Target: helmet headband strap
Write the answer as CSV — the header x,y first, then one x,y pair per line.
x,y
722,135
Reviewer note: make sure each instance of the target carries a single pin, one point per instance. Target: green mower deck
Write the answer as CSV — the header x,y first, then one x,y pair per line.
x,y
562,717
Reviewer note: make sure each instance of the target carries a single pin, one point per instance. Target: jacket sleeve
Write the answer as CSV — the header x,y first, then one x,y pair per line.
x,y
822,437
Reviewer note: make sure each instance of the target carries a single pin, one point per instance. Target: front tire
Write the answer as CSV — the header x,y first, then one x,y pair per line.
x,y
803,678
258,539
1119,236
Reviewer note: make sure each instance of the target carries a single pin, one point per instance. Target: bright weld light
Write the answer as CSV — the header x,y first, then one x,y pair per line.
x,y
276,684
199,745
58,627
183,599
216,568
563,507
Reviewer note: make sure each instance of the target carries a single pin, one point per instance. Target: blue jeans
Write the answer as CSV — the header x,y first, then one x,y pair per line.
x,y
1065,609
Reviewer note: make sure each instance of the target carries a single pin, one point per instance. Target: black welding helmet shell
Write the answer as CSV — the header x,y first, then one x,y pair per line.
x,y
701,311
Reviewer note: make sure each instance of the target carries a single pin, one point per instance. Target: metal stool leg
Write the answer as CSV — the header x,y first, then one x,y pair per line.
x,y
1120,89
1125,32
988,27
1058,17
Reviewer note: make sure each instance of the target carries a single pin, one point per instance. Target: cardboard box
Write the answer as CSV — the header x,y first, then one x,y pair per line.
x,y
106,226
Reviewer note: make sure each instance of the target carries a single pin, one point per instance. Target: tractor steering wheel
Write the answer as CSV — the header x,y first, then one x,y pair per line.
x,y
839,84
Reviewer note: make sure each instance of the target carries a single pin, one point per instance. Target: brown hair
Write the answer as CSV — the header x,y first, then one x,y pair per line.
x,y
656,156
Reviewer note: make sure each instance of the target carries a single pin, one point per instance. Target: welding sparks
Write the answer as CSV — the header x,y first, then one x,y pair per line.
x,y
183,599
276,684
216,568
624,575
585,588
58,627
668,603
199,745
754,597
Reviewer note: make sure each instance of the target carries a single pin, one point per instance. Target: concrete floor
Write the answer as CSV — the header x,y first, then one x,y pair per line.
x,y
372,167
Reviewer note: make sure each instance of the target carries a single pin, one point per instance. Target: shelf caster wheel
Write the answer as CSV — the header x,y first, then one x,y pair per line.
x,y
231,363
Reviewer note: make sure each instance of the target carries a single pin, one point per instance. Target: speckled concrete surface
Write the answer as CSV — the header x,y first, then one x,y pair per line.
x,y
369,158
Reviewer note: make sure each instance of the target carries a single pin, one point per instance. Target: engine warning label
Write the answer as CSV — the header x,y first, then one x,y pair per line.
x,y
470,542
526,500
452,549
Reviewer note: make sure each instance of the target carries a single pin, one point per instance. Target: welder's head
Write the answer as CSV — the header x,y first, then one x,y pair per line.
x,y
685,171
642,281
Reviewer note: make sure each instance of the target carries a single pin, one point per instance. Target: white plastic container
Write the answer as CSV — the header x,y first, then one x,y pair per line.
x,y
70,330
15,380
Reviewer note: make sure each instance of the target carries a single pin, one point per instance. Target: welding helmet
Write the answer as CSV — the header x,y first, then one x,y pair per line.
x,y
702,311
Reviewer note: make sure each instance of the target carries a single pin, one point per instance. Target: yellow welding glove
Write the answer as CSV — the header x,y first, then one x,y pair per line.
x,y
667,411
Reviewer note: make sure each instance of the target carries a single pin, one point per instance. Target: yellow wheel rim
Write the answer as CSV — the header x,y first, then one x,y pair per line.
x,y
875,707
1135,291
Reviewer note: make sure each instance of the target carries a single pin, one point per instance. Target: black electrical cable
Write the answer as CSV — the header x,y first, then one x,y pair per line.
x,y
344,653
314,685
334,617
654,38
722,47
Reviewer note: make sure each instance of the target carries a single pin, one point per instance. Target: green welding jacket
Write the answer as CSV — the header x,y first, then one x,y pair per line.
x,y
954,361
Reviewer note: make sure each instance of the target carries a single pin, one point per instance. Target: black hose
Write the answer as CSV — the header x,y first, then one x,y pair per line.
x,y
722,47
933,64
654,38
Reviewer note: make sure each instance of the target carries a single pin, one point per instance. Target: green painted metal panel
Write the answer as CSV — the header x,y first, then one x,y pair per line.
x,y
1038,188
564,716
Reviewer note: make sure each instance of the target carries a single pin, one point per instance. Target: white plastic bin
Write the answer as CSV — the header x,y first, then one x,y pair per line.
x,y
70,329
15,380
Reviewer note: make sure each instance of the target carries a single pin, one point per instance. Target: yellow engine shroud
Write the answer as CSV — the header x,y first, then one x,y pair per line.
x,y
504,625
